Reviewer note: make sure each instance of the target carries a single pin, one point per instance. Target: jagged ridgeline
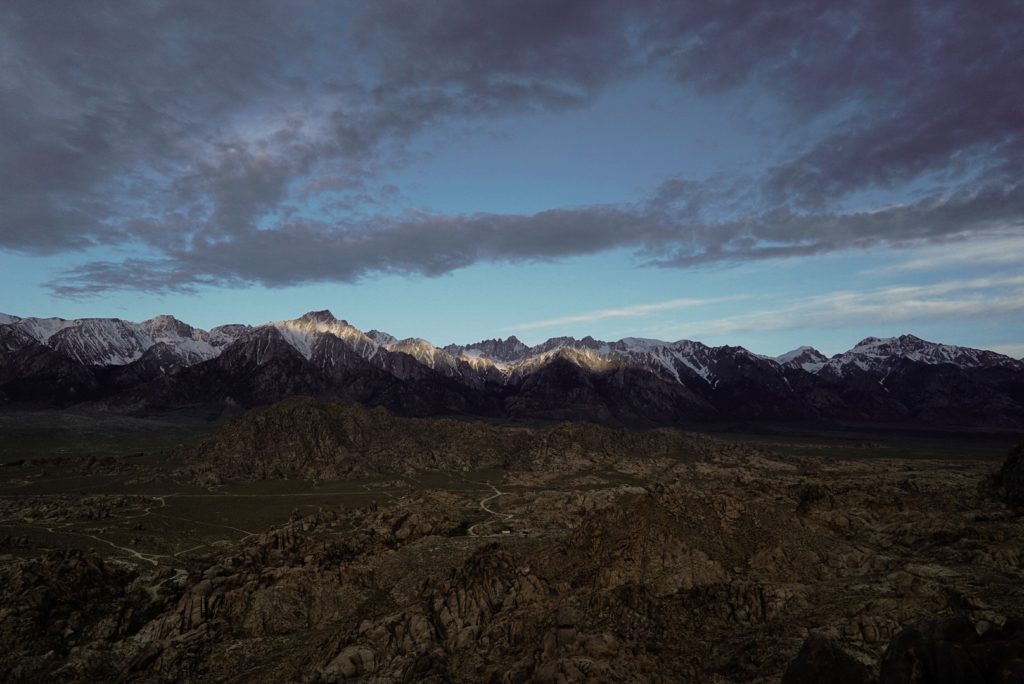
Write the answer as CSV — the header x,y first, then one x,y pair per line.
x,y
306,438
165,365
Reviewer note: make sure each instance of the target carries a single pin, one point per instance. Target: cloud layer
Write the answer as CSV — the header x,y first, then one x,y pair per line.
x,y
975,298
233,143
632,311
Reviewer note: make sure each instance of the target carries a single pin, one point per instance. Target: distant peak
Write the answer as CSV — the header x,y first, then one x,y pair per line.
x,y
323,316
869,342
641,342
413,342
511,339
900,340
800,350
167,324
381,337
560,340
800,356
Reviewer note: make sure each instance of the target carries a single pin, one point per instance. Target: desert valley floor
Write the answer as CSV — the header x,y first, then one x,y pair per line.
x,y
131,552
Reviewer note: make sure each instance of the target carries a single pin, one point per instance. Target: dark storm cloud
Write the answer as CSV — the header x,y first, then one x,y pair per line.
x,y
199,132
419,244
435,245
497,54
96,96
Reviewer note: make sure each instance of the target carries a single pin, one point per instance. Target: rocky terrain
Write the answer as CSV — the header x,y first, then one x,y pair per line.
x,y
641,557
164,365
305,438
1009,481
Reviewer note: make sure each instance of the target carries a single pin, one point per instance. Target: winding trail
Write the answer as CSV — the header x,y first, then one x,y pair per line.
x,y
147,557
483,502
484,507
145,511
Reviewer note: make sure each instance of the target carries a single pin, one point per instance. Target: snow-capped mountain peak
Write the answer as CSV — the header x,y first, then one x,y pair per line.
x,y
382,338
303,333
112,341
165,324
100,341
191,345
426,353
499,350
807,358
878,354
324,316
42,329
223,335
642,343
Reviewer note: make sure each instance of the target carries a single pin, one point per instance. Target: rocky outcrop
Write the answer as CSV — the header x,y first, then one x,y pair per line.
x,y
1009,480
950,651
302,437
822,661
66,602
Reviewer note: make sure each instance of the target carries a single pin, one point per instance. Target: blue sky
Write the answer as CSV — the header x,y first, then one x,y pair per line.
x,y
767,178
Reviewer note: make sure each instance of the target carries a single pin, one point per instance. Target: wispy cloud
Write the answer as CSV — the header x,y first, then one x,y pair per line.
x,y
953,299
999,250
623,312
1014,349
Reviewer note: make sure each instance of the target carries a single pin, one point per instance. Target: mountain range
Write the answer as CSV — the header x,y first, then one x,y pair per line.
x,y
164,364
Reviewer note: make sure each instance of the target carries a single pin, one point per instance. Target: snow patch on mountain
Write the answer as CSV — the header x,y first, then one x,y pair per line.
x,y
13,339
100,341
478,361
303,332
635,344
223,335
42,329
508,350
794,354
807,358
382,338
302,339
190,344
426,353
112,341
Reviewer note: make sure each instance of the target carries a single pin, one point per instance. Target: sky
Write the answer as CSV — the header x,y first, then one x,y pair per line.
x,y
761,174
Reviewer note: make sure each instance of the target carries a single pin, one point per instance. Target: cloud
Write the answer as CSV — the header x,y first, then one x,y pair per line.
x,y
102,102
432,245
239,142
633,311
998,250
1014,349
490,55
977,298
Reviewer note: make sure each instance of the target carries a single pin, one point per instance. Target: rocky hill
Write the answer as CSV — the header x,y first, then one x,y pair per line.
x,y
305,438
